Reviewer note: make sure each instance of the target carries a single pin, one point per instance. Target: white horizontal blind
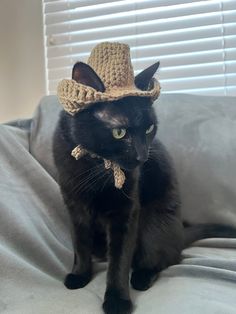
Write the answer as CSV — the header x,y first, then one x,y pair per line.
x,y
195,41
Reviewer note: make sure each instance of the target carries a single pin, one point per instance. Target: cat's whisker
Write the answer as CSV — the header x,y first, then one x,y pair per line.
x,y
106,181
90,169
92,184
81,187
153,154
84,180
98,176
152,151
109,175
93,170
123,192
151,157
80,174
89,187
89,177
89,181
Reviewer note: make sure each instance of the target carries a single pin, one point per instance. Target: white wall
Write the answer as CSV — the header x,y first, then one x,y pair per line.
x,y
22,74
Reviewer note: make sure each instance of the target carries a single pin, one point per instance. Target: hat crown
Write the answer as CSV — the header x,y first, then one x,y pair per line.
x,y
112,63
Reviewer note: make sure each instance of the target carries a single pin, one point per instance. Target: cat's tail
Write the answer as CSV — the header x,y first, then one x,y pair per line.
x,y
202,231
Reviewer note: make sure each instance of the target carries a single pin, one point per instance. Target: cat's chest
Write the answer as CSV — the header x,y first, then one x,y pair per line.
x,y
95,188
111,201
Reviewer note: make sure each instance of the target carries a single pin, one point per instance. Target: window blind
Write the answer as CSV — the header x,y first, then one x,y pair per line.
x,y
195,41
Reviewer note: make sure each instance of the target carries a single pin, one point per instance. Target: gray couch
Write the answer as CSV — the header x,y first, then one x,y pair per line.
x,y
35,241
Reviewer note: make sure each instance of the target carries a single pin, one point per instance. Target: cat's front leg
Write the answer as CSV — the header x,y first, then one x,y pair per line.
x,y
159,246
122,236
82,242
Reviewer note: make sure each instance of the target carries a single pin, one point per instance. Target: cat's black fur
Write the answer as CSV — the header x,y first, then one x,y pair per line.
x,y
138,226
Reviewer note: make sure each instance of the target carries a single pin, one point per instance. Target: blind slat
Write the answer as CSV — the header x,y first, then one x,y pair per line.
x,y
62,5
168,71
58,6
203,56
195,41
82,53
216,91
141,24
150,18
130,8
146,38
197,82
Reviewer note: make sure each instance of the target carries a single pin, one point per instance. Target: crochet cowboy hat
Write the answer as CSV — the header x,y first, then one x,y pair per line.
x,y
111,68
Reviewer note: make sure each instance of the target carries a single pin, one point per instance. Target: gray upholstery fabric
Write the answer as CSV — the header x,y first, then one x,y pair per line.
x,y
35,242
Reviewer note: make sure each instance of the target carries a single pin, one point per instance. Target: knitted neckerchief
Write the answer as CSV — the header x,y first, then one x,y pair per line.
x,y
119,176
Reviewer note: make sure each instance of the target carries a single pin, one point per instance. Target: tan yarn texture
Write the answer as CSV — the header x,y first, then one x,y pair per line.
x,y
119,176
112,63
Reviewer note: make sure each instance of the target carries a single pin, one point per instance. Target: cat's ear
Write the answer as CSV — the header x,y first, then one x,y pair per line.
x,y
143,79
84,74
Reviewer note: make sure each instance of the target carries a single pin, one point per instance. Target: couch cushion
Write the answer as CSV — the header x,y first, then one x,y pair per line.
x,y
200,134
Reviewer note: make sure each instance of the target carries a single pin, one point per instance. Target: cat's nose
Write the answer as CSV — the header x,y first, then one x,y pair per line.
x,y
142,157
140,148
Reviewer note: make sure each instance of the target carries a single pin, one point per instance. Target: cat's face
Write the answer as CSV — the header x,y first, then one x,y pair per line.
x,y
120,131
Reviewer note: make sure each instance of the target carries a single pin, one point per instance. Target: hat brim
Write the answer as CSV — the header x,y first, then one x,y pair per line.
x,y
75,97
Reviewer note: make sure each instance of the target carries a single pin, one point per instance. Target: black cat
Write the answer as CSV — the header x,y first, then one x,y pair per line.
x,y
138,226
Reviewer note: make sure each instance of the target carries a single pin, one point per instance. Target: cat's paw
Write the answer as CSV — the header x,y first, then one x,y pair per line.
x,y
114,304
143,279
74,281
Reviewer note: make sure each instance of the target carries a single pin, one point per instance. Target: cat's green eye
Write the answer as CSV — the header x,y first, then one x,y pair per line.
x,y
150,129
118,133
